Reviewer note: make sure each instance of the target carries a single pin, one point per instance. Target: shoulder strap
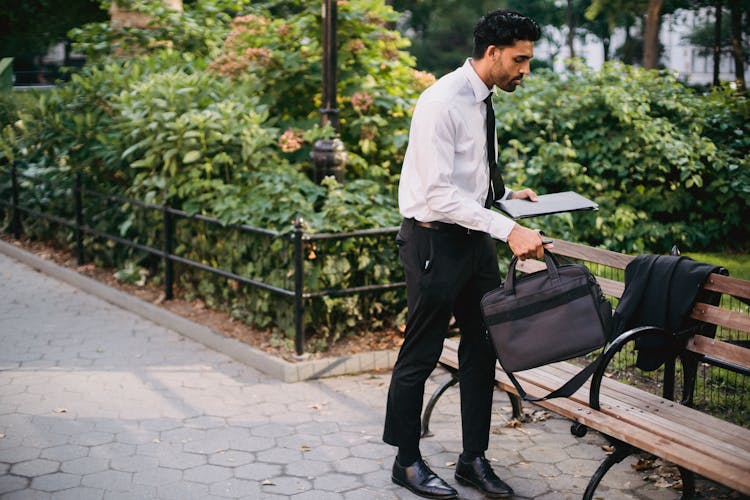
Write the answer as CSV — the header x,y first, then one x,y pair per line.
x,y
568,388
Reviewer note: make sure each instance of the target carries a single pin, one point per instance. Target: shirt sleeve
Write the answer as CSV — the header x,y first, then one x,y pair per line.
x,y
437,134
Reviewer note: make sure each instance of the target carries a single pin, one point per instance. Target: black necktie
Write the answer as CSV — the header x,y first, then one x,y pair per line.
x,y
496,179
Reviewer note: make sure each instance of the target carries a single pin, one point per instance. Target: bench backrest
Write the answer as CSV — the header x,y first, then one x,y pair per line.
x,y
719,352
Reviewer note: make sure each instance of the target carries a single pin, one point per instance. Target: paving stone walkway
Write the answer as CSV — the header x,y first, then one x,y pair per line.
x,y
99,403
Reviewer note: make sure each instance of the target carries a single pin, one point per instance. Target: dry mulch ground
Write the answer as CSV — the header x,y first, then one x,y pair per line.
x,y
198,312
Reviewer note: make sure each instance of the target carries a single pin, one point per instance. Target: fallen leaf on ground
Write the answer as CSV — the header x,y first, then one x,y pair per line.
x,y
537,416
643,464
514,423
61,410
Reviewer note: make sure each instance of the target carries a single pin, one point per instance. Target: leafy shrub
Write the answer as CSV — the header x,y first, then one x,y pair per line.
x,y
666,165
223,128
377,83
162,130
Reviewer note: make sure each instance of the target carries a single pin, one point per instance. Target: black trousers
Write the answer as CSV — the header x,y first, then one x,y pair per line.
x,y
447,273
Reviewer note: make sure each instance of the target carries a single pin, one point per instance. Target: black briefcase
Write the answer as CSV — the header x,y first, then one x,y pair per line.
x,y
551,315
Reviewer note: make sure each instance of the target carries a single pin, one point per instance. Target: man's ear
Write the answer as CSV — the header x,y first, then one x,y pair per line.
x,y
492,52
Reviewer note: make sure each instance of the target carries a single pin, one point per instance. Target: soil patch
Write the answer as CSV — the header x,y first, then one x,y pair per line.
x,y
218,321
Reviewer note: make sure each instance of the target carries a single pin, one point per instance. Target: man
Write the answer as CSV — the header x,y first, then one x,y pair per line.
x,y
448,252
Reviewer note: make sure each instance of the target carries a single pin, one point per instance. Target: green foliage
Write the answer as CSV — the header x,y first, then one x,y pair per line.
x,y
161,129
194,33
218,121
666,165
377,84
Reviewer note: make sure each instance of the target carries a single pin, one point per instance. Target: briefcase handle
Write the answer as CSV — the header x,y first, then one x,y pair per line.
x,y
552,270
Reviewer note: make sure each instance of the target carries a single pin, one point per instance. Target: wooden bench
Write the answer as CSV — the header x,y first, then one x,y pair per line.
x,y
633,419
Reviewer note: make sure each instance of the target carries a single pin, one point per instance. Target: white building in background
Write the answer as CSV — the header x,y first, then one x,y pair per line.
x,y
692,65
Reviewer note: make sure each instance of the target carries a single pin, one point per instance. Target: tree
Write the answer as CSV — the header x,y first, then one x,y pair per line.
x,y
620,14
737,49
651,34
441,30
717,42
29,27
719,38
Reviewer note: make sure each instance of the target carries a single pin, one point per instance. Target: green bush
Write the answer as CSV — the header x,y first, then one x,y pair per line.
x,y
161,129
219,121
377,83
666,165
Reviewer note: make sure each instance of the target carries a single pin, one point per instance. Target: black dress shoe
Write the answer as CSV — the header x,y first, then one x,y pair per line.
x,y
420,480
479,474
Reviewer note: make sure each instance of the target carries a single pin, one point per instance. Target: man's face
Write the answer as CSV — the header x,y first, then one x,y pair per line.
x,y
510,64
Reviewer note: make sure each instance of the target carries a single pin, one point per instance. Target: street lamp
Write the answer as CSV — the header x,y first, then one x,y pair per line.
x,y
329,155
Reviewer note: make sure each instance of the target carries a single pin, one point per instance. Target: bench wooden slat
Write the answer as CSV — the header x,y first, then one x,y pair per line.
x,y
616,394
727,284
611,287
598,255
721,350
725,458
719,316
654,413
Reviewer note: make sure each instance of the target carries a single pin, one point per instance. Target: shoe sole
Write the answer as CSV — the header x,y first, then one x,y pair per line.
x,y
467,482
423,495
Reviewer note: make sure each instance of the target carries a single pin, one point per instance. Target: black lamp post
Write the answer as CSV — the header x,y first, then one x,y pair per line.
x,y
329,155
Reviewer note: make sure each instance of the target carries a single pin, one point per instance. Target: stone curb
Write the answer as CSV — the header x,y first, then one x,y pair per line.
x,y
237,350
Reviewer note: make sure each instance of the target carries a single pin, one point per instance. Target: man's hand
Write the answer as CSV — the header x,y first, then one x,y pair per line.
x,y
525,243
524,194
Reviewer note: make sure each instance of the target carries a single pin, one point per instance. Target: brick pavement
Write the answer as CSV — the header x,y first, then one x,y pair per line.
x,y
100,403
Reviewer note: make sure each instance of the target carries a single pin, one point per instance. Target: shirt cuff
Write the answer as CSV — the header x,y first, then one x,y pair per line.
x,y
501,226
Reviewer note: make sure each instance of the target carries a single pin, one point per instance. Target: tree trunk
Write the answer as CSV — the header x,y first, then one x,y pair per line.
x,y
737,50
717,43
651,34
570,16
606,42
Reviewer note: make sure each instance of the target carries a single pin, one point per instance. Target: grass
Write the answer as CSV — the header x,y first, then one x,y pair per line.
x,y
737,264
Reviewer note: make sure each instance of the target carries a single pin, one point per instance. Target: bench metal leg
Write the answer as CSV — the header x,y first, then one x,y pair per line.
x,y
578,430
622,450
688,483
517,403
433,401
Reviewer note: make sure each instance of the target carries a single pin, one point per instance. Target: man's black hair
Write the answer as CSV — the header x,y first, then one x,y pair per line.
x,y
503,28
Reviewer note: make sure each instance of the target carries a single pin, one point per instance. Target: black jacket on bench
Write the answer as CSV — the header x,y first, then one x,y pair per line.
x,y
660,291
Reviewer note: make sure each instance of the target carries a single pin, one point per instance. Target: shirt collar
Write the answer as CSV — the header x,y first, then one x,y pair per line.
x,y
477,85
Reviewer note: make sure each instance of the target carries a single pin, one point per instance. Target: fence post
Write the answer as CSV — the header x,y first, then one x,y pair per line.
x,y
79,217
168,269
299,304
16,221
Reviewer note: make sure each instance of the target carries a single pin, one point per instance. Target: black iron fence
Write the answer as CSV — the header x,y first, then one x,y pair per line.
x,y
718,388
298,239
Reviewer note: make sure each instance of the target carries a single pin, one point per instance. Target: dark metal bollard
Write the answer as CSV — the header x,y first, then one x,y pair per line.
x,y
299,304
16,221
168,266
79,217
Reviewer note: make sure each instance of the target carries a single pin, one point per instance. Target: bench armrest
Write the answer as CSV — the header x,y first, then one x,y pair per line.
x,y
613,348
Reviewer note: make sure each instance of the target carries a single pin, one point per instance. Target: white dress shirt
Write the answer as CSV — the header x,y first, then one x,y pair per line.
x,y
445,174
